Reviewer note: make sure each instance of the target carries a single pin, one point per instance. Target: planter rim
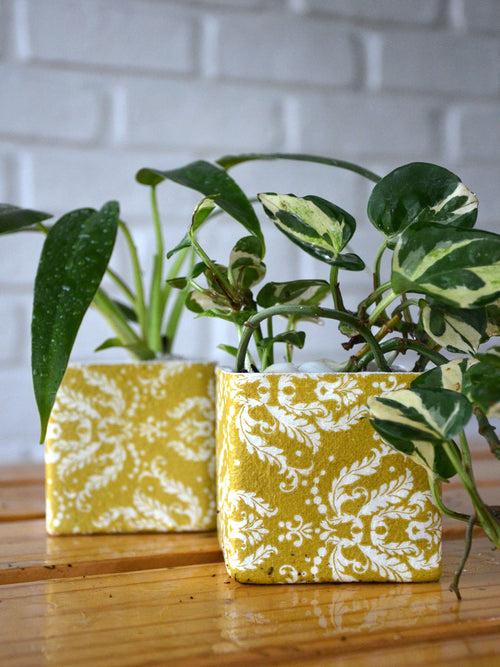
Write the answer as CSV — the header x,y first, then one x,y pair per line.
x,y
140,362
313,373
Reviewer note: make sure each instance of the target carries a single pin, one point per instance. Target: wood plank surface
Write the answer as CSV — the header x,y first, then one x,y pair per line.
x,y
27,553
198,616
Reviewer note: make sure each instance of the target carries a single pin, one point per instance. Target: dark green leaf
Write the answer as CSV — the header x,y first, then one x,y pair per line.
x,y
423,192
490,356
493,319
13,218
296,292
460,267
213,182
319,227
456,329
230,349
418,421
139,349
74,258
184,243
129,312
228,161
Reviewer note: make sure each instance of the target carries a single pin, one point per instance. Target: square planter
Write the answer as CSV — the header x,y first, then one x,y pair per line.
x,y
308,492
130,448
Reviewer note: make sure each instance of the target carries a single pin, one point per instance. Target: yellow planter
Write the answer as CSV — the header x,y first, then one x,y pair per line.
x,y
130,448
307,491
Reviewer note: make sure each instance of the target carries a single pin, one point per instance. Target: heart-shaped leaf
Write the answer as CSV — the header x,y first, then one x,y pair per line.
x,y
418,421
319,227
246,267
421,192
74,258
456,329
13,218
447,376
460,267
228,161
213,182
295,338
296,292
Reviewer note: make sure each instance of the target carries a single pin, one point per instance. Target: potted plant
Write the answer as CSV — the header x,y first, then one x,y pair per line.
x,y
308,490
129,446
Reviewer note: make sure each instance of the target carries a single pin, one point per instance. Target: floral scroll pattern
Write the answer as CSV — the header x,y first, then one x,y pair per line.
x,y
130,448
308,492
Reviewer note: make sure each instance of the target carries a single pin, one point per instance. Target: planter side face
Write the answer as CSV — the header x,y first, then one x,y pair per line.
x,y
308,492
130,448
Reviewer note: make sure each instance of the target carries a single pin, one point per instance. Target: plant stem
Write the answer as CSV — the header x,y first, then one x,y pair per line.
x,y
121,284
270,355
382,333
173,273
335,289
401,346
488,432
377,264
436,496
139,301
155,301
466,457
178,307
454,586
289,346
381,306
222,280
307,311
487,521
374,296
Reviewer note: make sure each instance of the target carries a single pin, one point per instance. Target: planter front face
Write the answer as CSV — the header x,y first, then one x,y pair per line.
x,y
307,491
130,448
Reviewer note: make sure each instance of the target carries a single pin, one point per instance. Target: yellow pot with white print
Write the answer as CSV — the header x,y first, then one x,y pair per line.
x,y
307,491
130,448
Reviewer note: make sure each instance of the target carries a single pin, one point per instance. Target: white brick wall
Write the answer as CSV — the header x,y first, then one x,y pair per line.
x,y
94,89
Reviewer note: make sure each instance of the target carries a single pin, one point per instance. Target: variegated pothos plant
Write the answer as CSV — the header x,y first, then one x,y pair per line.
x,y
442,296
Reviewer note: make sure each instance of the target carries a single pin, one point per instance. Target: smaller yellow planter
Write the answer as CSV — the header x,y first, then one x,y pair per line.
x,y
307,491
130,448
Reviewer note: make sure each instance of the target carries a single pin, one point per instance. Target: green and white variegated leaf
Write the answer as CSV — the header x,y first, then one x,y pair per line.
x,y
482,382
319,227
418,421
460,267
447,376
246,267
493,319
296,292
455,329
207,302
423,192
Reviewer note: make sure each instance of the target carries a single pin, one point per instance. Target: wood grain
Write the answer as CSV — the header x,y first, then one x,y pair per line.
x,y
27,553
198,615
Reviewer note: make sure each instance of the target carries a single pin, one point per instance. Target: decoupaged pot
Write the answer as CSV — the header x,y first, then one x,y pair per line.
x,y
307,492
130,448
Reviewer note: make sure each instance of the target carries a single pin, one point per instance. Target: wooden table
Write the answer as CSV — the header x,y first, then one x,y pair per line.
x,y
136,600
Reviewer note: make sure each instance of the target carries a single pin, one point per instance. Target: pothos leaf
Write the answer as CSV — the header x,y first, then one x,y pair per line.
x,y
213,182
74,258
460,267
482,384
180,282
230,349
447,376
246,267
490,356
416,422
319,227
423,192
456,329
296,292
13,218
